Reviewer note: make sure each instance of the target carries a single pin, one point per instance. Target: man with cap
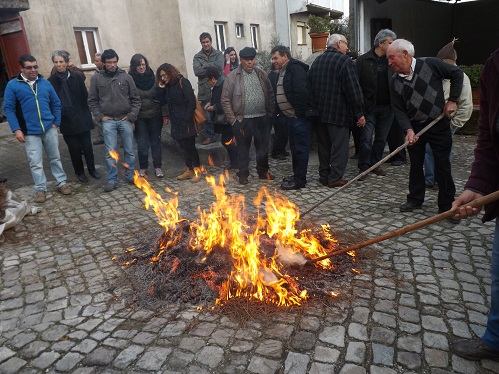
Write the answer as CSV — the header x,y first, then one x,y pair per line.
x,y
418,99
459,118
337,95
248,104
207,56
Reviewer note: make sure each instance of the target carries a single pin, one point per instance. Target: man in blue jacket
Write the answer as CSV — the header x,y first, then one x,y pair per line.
x,y
291,97
33,111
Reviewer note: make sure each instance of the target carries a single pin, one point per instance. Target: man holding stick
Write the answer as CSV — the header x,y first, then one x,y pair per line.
x,y
417,99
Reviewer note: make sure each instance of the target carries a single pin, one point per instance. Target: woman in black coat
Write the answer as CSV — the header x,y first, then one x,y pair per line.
x,y
76,120
176,91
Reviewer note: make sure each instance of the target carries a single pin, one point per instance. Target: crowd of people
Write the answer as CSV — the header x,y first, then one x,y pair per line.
x,y
381,96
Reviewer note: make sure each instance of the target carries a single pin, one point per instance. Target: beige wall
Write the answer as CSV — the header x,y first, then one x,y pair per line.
x,y
149,27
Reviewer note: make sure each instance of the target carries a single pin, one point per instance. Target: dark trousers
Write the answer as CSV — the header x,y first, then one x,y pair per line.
x,y
148,136
259,129
332,143
355,131
189,152
76,144
378,123
395,139
280,135
300,132
440,140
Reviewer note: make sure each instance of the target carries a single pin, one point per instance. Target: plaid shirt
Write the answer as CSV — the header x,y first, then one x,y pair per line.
x,y
335,88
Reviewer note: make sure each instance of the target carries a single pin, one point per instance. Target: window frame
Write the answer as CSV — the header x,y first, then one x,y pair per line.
x,y
239,30
255,36
301,32
86,48
221,43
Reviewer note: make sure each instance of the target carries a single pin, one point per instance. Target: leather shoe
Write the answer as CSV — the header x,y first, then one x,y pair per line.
x,y
288,179
266,176
379,171
208,141
291,185
338,183
94,174
409,207
474,350
398,163
364,177
323,181
83,178
243,180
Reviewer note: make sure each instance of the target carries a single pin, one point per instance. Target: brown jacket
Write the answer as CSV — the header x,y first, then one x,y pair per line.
x,y
233,94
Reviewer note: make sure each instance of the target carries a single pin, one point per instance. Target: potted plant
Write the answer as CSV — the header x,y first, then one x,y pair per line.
x,y
319,28
473,72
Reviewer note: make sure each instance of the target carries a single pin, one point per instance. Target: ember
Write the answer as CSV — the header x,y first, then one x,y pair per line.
x,y
225,252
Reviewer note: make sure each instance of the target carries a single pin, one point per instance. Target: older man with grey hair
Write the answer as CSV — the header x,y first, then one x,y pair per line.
x,y
336,93
418,99
374,77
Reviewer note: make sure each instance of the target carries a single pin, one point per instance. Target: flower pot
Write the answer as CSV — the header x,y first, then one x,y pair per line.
x,y
319,41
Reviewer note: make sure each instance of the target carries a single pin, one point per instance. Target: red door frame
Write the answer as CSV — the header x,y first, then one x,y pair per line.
x,y
11,61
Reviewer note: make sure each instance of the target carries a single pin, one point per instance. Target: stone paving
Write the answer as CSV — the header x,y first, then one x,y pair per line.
x,y
416,296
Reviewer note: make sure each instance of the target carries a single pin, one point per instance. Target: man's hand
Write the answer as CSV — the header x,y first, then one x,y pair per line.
x,y
464,211
361,122
126,119
411,137
19,136
450,108
105,118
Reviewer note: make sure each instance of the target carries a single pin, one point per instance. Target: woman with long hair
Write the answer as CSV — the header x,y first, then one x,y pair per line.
x,y
149,122
231,60
176,91
76,120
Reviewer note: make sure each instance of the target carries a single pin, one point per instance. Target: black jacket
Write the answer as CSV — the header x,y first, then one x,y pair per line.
x,y
81,119
367,70
181,105
295,84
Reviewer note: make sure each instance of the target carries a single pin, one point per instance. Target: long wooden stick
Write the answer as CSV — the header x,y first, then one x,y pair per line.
x,y
477,203
365,172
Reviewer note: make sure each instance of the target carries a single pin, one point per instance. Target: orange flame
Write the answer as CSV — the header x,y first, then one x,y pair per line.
x,y
225,225
114,155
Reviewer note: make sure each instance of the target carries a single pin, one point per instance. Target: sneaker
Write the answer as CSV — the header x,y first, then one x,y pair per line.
x,y
142,172
379,171
40,197
64,189
110,186
159,173
187,174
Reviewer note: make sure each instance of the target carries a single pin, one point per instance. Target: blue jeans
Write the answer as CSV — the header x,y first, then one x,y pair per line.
x,y
300,132
209,126
33,145
491,336
429,163
110,129
378,123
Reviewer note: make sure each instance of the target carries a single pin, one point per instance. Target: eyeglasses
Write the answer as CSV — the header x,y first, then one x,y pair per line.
x,y
35,67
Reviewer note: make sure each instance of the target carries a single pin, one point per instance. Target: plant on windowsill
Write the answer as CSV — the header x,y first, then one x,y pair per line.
x,y
319,29
318,24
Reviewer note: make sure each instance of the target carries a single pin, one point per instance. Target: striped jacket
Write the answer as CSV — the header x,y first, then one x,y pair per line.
x,y
335,88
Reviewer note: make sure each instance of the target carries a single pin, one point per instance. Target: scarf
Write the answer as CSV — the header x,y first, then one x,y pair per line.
x,y
65,93
144,82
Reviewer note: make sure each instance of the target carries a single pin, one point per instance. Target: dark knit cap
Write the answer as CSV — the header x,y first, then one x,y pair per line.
x,y
448,52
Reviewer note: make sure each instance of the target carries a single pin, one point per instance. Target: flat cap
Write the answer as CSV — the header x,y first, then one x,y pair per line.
x,y
247,52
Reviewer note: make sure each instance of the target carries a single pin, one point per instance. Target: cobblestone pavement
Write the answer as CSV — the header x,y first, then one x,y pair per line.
x,y
416,296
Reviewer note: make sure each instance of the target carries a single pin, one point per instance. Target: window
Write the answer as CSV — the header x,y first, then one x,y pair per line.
x,y
239,30
301,31
254,36
86,41
220,36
